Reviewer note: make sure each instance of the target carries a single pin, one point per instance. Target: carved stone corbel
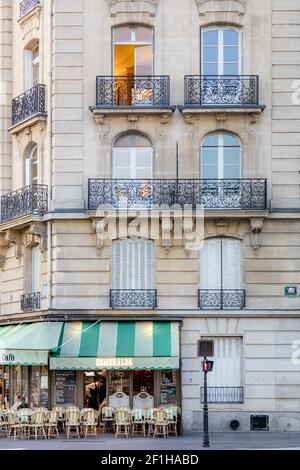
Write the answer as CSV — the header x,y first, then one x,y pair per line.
x,y
256,227
221,118
15,237
39,230
133,120
222,227
99,227
3,247
253,118
166,232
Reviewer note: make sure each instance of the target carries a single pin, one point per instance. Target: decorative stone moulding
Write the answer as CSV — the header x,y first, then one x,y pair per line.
x,y
132,6
235,8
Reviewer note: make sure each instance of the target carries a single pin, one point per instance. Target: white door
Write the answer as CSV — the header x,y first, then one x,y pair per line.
x,y
31,168
227,370
133,264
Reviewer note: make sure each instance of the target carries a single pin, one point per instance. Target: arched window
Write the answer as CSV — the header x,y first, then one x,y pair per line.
x,y
221,156
132,157
221,264
221,51
133,50
32,66
31,167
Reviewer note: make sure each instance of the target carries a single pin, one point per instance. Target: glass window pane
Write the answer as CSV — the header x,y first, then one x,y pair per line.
x,y
133,140
232,171
210,69
209,156
231,37
230,54
210,141
143,34
210,38
210,54
231,69
231,156
122,34
209,171
231,141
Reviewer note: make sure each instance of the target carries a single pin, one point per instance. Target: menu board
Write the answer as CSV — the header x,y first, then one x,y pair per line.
x,y
168,387
65,382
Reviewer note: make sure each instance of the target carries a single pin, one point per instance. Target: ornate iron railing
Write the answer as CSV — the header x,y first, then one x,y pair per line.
x,y
28,200
148,91
222,299
29,104
133,298
221,90
247,194
223,394
27,5
31,302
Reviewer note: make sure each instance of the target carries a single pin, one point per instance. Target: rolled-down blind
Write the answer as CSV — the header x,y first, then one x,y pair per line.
x,y
133,264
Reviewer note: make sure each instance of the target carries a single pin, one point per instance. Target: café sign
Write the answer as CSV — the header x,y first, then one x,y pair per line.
x,y
23,357
114,362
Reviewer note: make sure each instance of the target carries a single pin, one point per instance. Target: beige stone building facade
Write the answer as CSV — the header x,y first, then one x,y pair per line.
x,y
136,104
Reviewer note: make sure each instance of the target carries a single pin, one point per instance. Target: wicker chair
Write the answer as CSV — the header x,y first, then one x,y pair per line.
x,y
172,418
108,417
160,423
138,422
123,422
52,423
73,422
14,426
37,424
4,422
89,422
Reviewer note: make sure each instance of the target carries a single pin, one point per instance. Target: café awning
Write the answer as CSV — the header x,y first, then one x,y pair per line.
x,y
117,345
28,344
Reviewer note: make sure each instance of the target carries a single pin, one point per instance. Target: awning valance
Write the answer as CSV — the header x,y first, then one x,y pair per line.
x,y
117,345
28,344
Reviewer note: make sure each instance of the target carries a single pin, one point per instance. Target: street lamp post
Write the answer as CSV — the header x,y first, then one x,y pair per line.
x,y
205,406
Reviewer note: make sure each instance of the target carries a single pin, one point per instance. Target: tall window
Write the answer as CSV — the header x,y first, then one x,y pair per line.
x,y
31,167
35,269
226,378
132,51
221,156
133,264
221,51
32,66
133,157
221,264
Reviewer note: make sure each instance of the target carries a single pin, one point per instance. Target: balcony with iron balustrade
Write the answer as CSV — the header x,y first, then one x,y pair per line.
x,y
223,395
137,95
29,109
27,7
31,302
28,201
232,196
221,299
133,299
221,94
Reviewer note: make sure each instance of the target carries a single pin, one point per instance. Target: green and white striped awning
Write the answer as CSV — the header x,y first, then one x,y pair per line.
x,y
117,345
28,344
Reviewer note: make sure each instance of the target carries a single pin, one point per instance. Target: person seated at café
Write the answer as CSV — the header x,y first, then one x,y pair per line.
x,y
23,404
17,403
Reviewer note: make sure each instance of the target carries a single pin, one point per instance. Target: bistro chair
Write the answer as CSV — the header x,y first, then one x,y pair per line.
x,y
37,424
14,426
61,410
4,422
89,422
143,401
107,417
24,417
149,418
73,422
172,418
138,422
160,423
123,422
52,423
118,400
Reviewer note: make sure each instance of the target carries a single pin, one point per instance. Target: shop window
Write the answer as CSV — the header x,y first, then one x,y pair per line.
x,y
119,381
168,387
143,381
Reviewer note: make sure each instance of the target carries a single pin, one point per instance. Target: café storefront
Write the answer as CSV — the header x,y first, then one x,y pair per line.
x,y
58,363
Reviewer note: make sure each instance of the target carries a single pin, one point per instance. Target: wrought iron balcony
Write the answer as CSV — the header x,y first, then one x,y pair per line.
x,y
29,104
221,90
31,302
223,394
27,5
127,299
246,194
28,200
222,299
148,91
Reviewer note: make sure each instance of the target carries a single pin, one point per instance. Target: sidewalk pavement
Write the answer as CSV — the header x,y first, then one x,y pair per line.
x,y
189,441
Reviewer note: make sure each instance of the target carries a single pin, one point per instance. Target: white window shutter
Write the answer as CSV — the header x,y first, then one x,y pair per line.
x,y
35,269
211,264
228,363
122,163
231,263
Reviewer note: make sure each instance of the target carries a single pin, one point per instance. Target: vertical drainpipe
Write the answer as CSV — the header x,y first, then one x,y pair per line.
x,y
49,138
